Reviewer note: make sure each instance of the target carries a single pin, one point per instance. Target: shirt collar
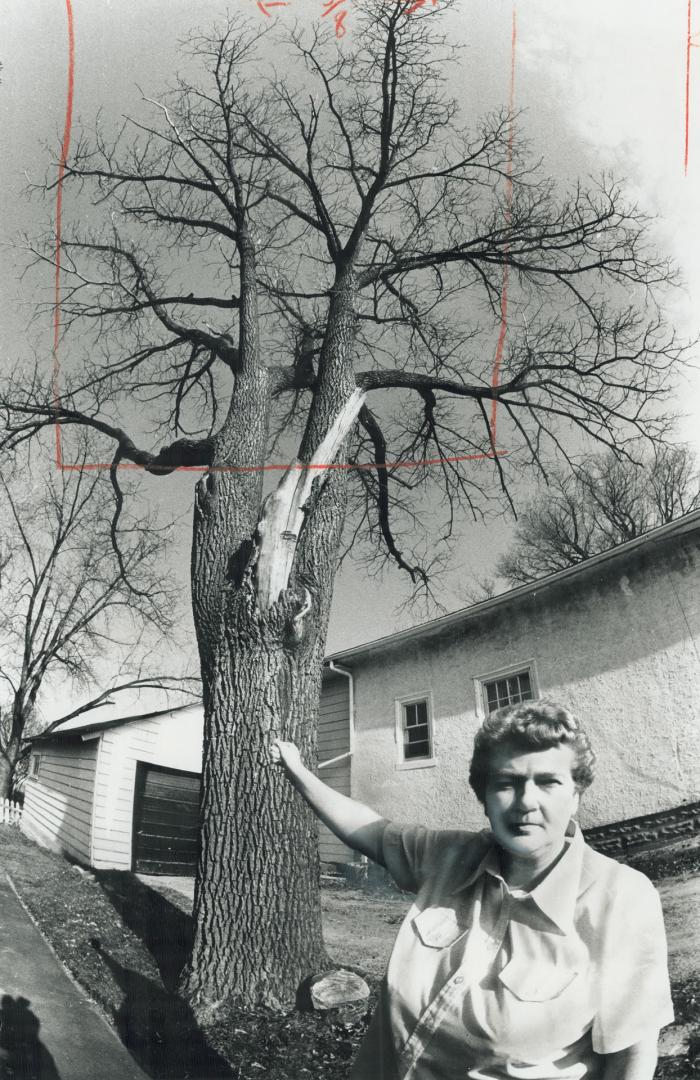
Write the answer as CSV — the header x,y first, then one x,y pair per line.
x,y
556,894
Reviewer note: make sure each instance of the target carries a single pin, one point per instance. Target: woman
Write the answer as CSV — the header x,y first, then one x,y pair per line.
x,y
525,953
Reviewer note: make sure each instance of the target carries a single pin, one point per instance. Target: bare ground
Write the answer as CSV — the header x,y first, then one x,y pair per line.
x,y
359,927
680,898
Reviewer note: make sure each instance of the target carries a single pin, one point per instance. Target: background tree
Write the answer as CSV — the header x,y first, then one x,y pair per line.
x,y
68,602
314,265
597,505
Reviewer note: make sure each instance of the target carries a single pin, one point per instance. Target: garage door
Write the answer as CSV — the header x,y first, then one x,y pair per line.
x,y
166,816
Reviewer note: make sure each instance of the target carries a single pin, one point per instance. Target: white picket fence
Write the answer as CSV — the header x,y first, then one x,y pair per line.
x,y
10,812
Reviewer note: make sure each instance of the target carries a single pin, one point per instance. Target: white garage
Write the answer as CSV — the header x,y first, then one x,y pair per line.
x,y
119,794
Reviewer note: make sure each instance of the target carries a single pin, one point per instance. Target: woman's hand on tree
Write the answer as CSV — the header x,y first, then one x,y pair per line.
x,y
354,823
285,754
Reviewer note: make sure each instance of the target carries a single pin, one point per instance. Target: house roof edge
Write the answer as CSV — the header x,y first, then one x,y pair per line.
x,y
105,725
686,523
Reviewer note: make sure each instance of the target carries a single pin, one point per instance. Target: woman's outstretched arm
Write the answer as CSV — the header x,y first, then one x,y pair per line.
x,y
352,822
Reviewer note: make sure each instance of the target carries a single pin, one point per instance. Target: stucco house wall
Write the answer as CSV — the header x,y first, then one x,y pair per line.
x,y
616,641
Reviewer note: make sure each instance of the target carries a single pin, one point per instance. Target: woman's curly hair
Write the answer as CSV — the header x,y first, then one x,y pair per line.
x,y
528,726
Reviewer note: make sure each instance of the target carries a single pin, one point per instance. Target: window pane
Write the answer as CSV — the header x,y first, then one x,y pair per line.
x,y
416,730
417,750
508,691
512,688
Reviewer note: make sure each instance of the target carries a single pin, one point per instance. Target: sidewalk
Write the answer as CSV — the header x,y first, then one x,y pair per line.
x,y
49,1030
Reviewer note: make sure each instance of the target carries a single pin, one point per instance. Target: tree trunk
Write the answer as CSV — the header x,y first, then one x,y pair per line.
x,y
257,910
20,720
257,900
6,778
9,757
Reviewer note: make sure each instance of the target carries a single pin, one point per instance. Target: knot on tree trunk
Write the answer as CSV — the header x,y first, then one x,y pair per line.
x,y
298,623
282,624
288,617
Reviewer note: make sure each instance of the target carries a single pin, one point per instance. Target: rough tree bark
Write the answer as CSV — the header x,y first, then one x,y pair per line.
x,y
261,660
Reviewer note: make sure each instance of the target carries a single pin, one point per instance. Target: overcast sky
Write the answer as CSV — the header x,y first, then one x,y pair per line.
x,y
602,83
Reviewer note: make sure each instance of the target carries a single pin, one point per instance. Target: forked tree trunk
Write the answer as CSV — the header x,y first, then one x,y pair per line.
x,y
257,914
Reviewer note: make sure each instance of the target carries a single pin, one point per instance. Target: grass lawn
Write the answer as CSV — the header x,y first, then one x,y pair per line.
x,y
125,943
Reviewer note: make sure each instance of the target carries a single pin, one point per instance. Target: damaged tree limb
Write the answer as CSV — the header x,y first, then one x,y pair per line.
x,y
283,511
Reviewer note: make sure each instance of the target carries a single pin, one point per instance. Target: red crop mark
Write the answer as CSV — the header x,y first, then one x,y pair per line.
x,y
264,5
691,42
419,4
59,211
495,374
273,466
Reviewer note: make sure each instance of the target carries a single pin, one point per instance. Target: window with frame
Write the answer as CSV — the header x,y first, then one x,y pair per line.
x,y
510,690
415,725
34,766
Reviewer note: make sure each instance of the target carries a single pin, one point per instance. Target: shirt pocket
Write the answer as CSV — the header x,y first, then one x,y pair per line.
x,y
537,982
542,966
438,927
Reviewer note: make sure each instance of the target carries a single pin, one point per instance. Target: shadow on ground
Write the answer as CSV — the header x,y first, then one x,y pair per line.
x,y
164,929
155,1024
23,1056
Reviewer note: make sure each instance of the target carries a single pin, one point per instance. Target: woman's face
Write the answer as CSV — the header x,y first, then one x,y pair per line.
x,y
530,799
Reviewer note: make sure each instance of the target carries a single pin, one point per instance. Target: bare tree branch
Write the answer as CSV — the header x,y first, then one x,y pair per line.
x,y
182,685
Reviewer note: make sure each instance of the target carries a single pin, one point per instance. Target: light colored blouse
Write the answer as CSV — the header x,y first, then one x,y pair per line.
x,y
488,982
